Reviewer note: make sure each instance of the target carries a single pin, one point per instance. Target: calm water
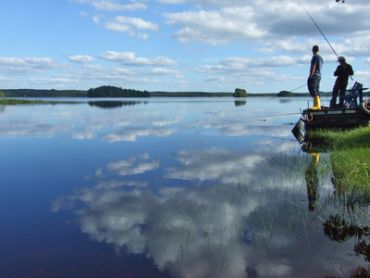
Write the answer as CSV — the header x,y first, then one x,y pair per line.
x,y
168,187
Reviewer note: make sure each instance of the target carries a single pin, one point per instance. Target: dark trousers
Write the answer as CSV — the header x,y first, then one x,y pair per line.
x,y
341,90
313,84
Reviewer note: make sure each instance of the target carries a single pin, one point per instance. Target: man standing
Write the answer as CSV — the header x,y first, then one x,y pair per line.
x,y
313,82
342,72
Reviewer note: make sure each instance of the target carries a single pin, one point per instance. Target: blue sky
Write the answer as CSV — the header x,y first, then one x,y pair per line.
x,y
178,45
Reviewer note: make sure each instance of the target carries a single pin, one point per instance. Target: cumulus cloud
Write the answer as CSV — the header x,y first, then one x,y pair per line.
x,y
130,58
27,64
114,5
259,20
131,26
242,64
166,71
215,27
81,59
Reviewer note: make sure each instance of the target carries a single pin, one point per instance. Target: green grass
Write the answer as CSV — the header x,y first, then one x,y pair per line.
x,y
341,139
350,156
9,101
12,101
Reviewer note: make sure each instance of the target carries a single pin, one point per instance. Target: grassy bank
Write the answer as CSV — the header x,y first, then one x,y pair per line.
x,y
350,155
12,101
9,101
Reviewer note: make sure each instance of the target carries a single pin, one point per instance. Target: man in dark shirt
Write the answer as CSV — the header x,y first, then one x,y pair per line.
x,y
342,72
314,78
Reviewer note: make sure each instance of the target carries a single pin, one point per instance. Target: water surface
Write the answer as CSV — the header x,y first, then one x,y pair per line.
x,y
169,187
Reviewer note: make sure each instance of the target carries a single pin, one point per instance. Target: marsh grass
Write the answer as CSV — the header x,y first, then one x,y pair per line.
x,y
350,157
341,139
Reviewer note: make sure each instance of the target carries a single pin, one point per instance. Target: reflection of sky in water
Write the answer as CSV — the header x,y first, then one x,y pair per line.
x,y
200,188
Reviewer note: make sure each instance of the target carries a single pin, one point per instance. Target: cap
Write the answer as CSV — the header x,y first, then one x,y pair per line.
x,y
341,59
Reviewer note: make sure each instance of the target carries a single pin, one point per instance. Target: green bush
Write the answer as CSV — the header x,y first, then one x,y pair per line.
x,y
240,93
284,94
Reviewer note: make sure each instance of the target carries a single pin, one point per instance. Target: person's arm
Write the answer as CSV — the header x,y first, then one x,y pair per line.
x,y
336,73
350,70
313,70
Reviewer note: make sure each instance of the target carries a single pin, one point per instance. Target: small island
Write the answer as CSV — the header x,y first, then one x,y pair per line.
x,y
113,92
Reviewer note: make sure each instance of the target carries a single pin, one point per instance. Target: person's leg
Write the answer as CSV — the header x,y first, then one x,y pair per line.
x,y
334,95
317,80
342,92
316,99
311,86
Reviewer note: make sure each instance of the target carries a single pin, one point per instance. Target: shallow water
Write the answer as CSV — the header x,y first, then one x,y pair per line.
x,y
168,187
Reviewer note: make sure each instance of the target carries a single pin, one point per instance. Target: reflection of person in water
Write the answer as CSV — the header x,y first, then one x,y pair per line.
x,y
312,180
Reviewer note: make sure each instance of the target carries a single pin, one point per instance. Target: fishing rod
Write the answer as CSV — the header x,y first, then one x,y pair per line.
x,y
318,28
321,32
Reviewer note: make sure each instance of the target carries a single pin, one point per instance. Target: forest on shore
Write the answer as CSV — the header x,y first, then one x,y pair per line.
x,y
114,92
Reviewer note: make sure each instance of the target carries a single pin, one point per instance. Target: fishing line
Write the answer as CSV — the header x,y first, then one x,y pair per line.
x,y
298,87
321,32
318,28
274,97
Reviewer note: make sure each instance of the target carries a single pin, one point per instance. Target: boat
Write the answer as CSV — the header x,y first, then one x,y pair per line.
x,y
354,113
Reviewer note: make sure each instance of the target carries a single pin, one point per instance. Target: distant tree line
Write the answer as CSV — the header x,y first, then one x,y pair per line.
x,y
189,94
112,91
42,93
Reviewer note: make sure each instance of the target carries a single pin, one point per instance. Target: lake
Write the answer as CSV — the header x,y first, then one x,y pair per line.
x,y
170,187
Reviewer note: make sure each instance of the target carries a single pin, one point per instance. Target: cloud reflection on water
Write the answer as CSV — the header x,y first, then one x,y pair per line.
x,y
79,121
259,224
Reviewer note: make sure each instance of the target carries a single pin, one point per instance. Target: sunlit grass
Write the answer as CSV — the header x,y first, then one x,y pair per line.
x,y
342,139
350,155
351,167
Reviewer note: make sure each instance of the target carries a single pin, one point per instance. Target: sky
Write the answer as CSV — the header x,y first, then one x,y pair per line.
x,y
179,45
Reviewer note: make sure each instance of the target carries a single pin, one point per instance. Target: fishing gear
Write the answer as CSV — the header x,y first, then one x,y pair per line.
x,y
321,32
318,28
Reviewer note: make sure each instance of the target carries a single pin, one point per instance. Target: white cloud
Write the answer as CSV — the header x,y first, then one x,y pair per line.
x,y
114,5
215,27
226,21
243,64
165,71
138,23
132,26
130,58
26,63
81,59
